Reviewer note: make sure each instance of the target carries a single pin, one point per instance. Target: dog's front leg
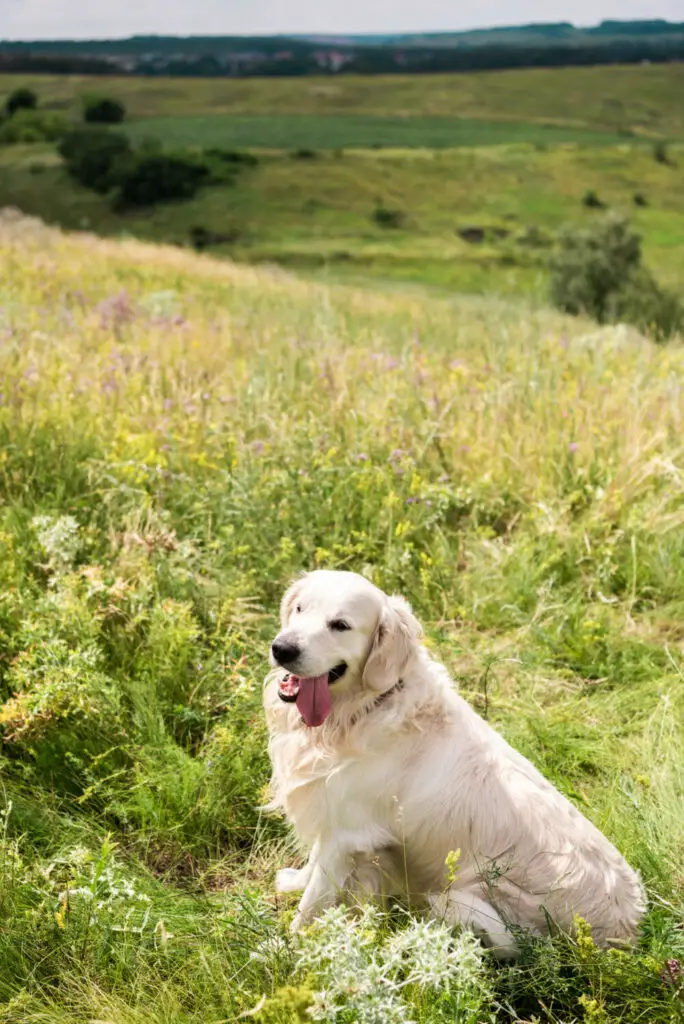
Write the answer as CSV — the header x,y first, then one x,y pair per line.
x,y
297,879
328,876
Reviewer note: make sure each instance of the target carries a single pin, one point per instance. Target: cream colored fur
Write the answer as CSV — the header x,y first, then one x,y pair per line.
x,y
381,793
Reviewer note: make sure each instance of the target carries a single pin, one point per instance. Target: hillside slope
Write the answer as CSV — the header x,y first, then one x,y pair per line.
x,y
178,438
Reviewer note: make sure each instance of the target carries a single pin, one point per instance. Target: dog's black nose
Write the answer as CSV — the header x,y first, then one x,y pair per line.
x,y
285,653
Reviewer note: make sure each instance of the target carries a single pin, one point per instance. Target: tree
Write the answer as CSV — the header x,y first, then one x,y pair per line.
x,y
21,99
103,110
598,271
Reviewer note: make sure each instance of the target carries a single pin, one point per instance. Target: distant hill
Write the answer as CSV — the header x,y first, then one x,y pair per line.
x,y
562,31
534,45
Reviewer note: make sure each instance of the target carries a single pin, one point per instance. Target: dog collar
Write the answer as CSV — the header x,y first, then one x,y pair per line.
x,y
398,686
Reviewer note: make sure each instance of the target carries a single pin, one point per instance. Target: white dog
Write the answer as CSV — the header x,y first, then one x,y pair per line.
x,y
385,771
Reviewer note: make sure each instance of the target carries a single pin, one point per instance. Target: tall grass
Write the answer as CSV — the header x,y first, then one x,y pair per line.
x,y
178,437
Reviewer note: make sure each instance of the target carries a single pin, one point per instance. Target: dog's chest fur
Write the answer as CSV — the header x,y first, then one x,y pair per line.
x,y
323,792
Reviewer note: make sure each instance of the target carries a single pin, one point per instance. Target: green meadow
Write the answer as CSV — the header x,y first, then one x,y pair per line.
x,y
360,372
179,437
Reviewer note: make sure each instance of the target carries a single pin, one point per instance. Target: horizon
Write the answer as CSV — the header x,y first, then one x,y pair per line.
x,y
28,21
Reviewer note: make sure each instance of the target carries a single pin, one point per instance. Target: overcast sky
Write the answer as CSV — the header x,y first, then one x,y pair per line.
x,y
43,19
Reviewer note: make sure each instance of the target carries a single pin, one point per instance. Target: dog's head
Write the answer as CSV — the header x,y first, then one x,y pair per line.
x,y
340,633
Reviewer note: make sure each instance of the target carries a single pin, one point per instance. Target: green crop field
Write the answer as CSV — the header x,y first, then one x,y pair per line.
x,y
179,436
642,99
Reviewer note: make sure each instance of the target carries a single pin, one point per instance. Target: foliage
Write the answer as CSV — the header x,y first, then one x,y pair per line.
x,y
385,217
598,271
103,110
95,156
28,125
158,177
592,201
21,99
660,153
231,157
365,976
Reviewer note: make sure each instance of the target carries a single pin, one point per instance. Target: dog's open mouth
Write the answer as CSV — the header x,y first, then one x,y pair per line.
x,y
311,694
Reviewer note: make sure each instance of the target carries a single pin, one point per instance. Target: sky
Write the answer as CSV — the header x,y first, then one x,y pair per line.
x,y
83,19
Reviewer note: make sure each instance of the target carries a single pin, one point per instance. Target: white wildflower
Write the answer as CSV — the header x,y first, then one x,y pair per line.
x,y
59,538
365,976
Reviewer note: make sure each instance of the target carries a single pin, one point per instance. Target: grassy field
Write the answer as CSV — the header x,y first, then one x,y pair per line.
x,y
179,437
642,99
318,215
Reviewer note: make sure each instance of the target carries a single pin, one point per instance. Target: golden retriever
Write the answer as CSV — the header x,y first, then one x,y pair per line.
x,y
385,772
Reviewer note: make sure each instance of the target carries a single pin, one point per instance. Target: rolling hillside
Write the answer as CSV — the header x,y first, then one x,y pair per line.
x,y
179,436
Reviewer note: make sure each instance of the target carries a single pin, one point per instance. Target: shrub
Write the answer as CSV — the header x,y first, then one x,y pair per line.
x,y
201,238
592,201
660,153
304,154
654,310
598,271
385,217
21,99
103,110
640,199
155,177
95,156
33,126
231,156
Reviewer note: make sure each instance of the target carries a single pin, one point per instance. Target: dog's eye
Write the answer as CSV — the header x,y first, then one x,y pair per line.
x,y
339,625
298,608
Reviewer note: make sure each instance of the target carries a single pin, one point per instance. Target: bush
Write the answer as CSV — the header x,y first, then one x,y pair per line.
x,y
385,217
654,310
304,154
231,156
95,156
201,238
103,110
33,126
21,99
598,272
640,199
592,201
152,178
660,153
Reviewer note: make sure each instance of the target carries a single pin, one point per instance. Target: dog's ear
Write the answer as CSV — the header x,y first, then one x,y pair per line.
x,y
395,640
289,601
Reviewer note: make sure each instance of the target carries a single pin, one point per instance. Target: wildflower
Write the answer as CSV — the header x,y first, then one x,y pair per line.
x,y
573,447
373,980
672,973
116,311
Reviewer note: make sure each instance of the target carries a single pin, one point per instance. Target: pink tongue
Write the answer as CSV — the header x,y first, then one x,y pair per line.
x,y
313,700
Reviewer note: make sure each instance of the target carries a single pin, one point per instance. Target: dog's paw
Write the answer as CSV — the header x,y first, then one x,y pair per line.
x,y
298,922
290,880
